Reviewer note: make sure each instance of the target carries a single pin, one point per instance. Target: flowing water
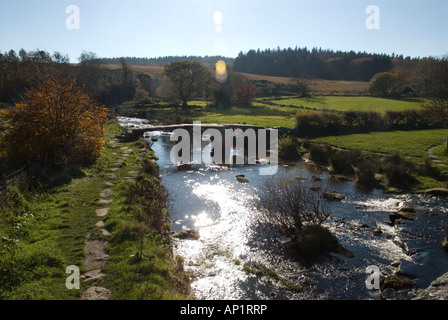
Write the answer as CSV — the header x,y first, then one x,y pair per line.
x,y
210,200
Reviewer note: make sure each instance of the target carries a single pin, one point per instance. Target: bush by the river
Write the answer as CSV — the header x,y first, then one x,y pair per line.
x,y
400,172
315,240
288,148
344,161
289,209
320,153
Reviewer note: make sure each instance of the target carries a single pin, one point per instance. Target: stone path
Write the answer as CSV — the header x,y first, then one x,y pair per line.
x,y
96,249
434,158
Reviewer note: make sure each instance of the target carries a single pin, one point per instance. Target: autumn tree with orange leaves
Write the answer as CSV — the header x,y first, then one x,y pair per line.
x,y
244,95
57,124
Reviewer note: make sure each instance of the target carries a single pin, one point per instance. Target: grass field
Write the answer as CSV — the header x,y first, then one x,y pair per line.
x,y
407,143
276,111
257,114
359,103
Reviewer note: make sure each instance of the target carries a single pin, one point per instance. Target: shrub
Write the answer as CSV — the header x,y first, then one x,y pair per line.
x,y
318,123
316,240
399,176
222,99
320,153
150,167
362,121
343,161
287,204
428,169
383,84
148,193
141,95
365,174
409,120
399,172
287,148
245,94
57,124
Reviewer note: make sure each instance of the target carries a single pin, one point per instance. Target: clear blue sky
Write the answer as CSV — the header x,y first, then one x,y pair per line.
x,y
152,28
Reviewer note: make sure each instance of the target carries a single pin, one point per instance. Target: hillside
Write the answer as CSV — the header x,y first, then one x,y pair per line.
x,y
319,87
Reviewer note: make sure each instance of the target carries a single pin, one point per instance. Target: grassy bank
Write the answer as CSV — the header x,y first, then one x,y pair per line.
x,y
354,103
407,143
44,230
401,156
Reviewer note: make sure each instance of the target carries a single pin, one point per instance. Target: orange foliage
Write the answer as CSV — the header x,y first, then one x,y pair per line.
x,y
244,95
57,123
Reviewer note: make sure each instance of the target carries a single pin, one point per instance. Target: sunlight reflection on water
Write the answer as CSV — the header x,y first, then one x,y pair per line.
x,y
211,201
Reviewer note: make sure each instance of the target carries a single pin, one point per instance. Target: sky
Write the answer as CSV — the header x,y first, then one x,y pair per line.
x,y
154,28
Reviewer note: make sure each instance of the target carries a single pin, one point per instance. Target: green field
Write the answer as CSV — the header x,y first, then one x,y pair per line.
x,y
257,114
407,143
358,103
280,111
275,111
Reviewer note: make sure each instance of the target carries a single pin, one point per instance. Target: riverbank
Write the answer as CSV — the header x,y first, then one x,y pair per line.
x,y
85,220
409,153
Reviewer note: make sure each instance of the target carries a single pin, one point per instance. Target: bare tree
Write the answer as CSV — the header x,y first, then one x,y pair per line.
x,y
302,81
287,204
244,95
426,73
189,77
90,69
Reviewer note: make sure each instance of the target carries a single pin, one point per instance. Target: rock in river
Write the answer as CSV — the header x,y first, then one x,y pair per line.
x,y
445,244
241,178
407,208
393,216
437,192
333,196
438,290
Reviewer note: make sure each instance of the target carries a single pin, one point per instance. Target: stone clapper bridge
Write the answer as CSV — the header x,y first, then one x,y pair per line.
x,y
240,133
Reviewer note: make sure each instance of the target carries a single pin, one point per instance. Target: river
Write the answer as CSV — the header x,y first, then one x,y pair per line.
x,y
210,200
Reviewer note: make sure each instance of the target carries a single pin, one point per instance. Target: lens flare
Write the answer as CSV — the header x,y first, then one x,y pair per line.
x,y
221,67
217,17
221,71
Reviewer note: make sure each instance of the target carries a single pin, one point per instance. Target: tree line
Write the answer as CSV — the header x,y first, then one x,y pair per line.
x,y
25,70
316,63
161,61
50,117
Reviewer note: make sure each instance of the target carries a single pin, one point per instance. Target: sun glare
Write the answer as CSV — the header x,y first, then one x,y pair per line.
x,y
217,17
221,71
